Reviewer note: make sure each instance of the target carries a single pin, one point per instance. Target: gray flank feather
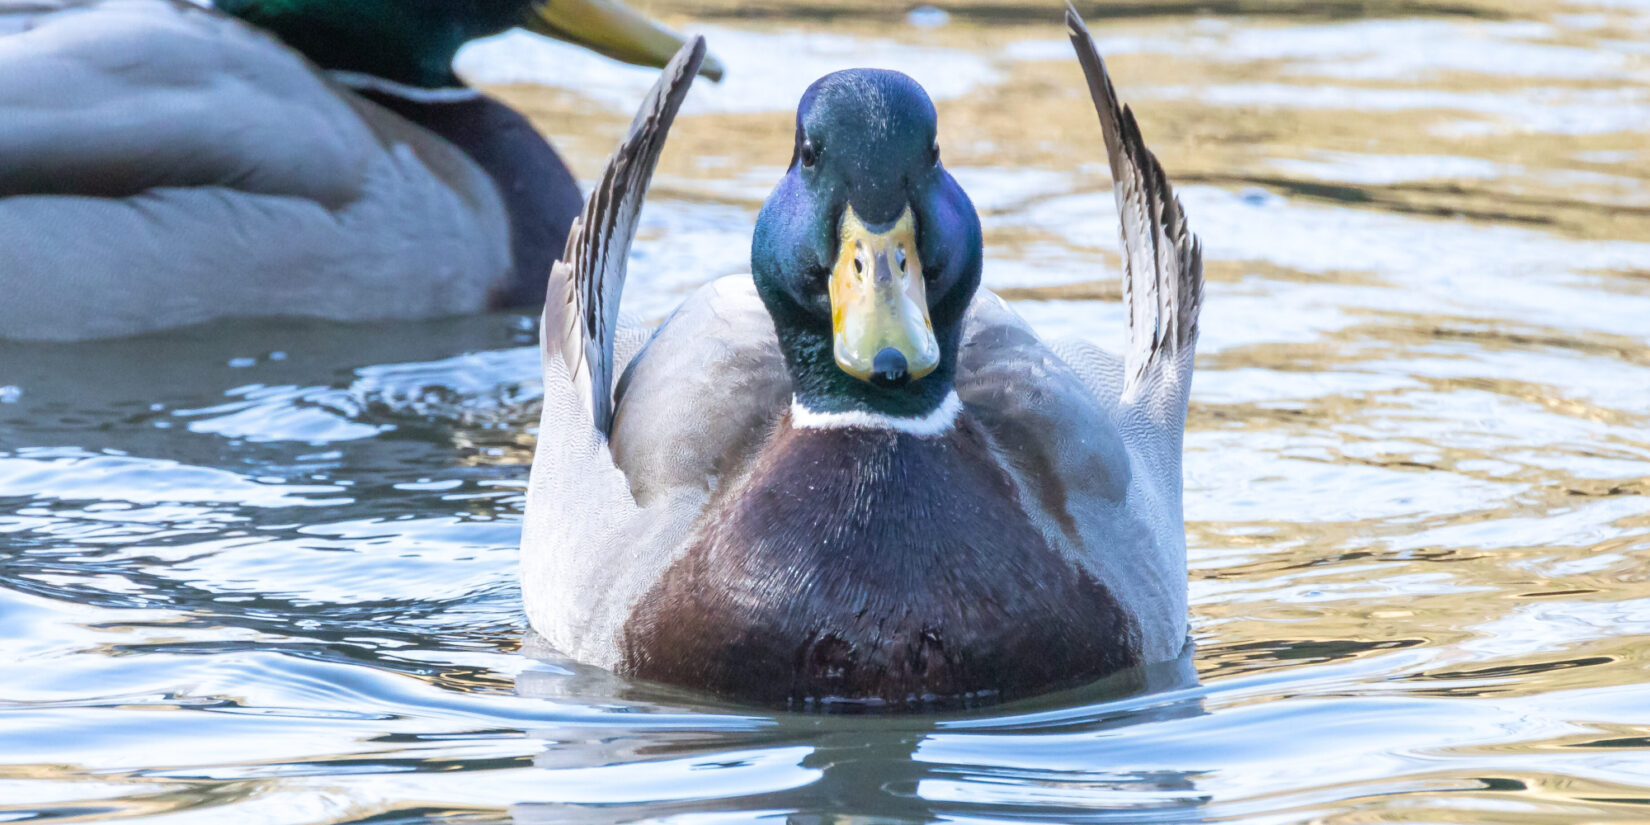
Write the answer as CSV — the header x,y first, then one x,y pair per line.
x,y
1162,259
581,309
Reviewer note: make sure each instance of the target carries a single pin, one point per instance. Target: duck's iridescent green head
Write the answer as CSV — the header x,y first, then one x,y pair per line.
x,y
414,41
868,252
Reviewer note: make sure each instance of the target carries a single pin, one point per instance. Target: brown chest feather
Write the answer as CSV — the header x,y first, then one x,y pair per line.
x,y
875,566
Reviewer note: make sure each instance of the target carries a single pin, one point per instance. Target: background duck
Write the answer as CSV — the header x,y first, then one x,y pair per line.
x,y
856,475
164,164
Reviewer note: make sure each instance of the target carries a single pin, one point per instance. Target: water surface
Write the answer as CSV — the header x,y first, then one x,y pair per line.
x,y
265,572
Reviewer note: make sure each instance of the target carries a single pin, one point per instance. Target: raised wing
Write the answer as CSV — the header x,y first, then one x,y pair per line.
x,y
1162,259
581,310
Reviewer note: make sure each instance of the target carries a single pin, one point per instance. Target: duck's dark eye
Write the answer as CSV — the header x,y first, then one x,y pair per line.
x,y
934,152
807,153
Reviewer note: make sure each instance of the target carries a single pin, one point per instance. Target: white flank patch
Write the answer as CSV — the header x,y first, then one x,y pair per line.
x,y
939,422
361,81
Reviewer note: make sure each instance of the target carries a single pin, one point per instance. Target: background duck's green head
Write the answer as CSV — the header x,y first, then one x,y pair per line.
x,y
414,41
868,252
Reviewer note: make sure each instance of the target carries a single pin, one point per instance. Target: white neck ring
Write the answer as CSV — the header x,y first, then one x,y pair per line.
x,y
363,82
934,424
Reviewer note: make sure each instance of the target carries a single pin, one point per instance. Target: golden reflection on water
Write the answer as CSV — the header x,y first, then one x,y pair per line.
x,y
1417,461
1451,486
1036,117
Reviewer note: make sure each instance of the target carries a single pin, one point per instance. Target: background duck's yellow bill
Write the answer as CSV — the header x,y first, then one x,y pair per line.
x,y
611,28
879,300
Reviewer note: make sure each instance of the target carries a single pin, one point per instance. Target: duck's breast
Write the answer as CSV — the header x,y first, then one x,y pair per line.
x,y
875,565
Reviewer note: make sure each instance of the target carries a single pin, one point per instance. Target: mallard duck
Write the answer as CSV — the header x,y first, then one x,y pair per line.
x,y
856,475
164,164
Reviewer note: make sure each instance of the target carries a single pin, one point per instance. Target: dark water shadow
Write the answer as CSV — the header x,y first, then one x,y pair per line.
x,y
865,767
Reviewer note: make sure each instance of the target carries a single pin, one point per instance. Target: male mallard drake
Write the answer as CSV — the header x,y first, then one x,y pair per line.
x,y
857,475
163,164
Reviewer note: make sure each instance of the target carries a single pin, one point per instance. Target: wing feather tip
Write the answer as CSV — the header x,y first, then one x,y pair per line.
x,y
1074,22
591,272
1163,282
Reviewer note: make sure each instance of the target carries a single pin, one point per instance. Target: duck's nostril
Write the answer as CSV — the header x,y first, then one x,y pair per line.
x,y
889,368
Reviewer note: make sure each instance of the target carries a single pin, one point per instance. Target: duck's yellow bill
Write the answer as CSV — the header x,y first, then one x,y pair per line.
x,y
879,304
611,28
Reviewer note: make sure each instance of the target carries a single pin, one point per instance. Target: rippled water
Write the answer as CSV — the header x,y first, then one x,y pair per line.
x,y
266,572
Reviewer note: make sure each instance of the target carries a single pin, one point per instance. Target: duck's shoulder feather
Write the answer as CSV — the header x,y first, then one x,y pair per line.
x,y
222,166
114,98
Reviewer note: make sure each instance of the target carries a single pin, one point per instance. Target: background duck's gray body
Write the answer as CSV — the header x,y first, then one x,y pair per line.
x,y
162,164
621,487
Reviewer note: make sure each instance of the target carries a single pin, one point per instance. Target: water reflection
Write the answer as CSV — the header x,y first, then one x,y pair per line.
x,y
835,768
265,572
